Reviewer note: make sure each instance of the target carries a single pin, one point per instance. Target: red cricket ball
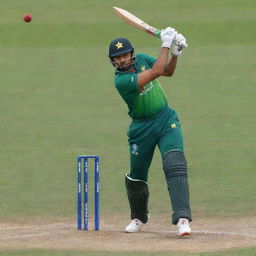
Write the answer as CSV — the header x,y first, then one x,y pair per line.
x,y
27,17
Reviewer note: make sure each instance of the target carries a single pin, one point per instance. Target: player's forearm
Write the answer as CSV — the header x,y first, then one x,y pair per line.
x,y
171,66
160,64
156,71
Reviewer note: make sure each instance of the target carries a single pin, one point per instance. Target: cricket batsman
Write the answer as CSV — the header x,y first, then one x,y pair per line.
x,y
154,123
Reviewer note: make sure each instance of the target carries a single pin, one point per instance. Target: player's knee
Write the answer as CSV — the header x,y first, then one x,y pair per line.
x,y
135,186
174,164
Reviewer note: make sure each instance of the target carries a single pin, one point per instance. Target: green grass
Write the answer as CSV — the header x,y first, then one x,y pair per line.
x,y
52,110
239,252
57,101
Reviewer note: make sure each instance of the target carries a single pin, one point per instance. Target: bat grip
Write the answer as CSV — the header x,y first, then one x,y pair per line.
x,y
158,33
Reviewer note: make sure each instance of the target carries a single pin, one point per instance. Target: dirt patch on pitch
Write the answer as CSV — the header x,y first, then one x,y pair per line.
x,y
209,234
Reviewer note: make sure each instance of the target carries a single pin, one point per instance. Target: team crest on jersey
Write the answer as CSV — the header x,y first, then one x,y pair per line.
x,y
134,149
143,68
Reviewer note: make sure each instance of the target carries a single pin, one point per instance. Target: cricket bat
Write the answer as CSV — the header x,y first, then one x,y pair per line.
x,y
137,23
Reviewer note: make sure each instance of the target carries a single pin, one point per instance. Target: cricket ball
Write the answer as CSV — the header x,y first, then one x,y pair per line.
x,y
27,17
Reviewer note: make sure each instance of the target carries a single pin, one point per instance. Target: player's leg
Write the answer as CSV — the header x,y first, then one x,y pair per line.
x,y
175,169
137,193
141,154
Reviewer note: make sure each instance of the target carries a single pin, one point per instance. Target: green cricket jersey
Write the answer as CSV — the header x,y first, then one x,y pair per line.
x,y
142,103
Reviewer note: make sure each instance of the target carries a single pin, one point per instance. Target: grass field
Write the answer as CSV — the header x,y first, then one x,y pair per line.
x,y
242,252
57,101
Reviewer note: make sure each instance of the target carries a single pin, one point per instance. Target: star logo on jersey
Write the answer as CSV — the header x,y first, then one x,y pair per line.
x,y
143,68
173,125
119,45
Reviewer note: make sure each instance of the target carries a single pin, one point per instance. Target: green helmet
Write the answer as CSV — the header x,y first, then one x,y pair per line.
x,y
119,46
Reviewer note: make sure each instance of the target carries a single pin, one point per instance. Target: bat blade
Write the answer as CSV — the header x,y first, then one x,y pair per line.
x,y
136,22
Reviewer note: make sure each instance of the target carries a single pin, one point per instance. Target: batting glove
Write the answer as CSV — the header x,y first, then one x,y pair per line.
x,y
178,44
167,36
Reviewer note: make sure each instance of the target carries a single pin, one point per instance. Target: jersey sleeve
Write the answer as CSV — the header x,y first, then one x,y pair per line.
x,y
149,59
127,83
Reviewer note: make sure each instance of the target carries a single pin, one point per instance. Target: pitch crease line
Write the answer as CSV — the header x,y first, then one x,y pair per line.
x,y
193,232
56,225
38,226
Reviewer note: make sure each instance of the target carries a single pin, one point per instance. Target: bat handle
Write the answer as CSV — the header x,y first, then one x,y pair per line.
x,y
158,33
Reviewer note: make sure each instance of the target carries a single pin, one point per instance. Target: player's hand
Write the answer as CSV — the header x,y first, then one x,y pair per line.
x,y
167,36
179,43
180,40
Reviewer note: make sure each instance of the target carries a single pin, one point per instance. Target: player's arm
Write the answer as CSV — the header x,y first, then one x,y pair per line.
x,y
158,69
170,67
178,44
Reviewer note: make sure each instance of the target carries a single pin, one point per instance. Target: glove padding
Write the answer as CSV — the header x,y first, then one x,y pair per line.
x,y
167,36
178,44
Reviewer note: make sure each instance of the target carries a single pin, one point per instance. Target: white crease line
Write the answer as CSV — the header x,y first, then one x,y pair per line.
x,y
21,236
226,233
116,229
196,232
37,226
